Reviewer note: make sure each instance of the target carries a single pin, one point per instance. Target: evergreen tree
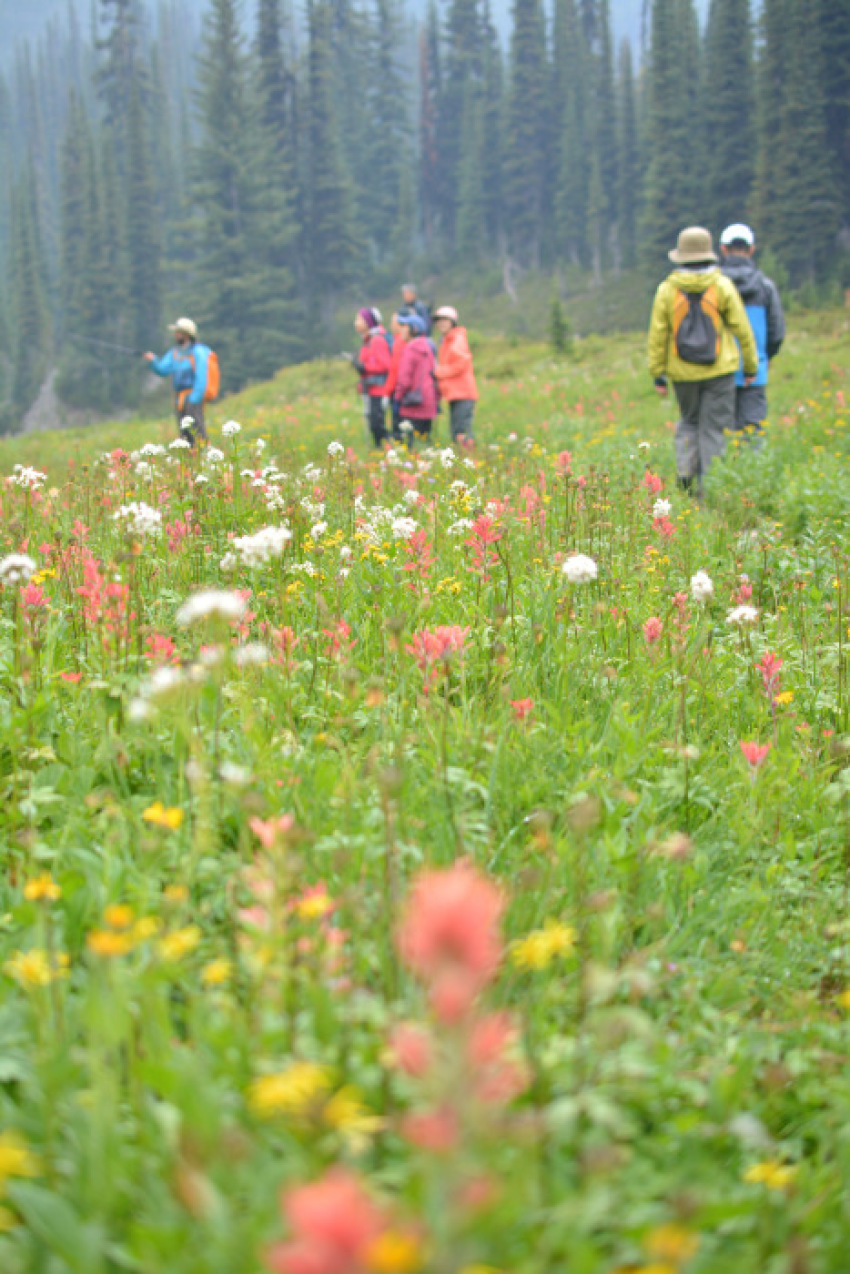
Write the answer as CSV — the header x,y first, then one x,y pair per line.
x,y
430,97
32,342
729,111
570,98
834,22
672,197
244,289
331,242
492,135
605,107
628,168
525,151
389,133
144,302
458,95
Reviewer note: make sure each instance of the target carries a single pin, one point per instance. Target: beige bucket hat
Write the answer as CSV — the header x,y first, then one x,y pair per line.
x,y
694,245
186,326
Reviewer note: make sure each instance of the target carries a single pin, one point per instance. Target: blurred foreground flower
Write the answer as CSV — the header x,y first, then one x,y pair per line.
x,y
702,587
161,816
16,1158
42,889
771,1173
211,603
289,1092
449,936
539,948
335,1225
36,968
580,569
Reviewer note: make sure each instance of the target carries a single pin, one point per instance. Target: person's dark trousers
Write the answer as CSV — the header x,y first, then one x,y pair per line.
x,y
421,429
191,423
396,415
706,414
750,414
376,416
461,414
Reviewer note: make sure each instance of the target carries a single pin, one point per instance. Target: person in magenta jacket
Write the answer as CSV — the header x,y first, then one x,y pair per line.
x,y
416,389
372,365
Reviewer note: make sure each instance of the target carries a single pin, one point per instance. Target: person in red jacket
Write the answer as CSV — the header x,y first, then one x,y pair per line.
x,y
416,387
398,331
372,365
454,373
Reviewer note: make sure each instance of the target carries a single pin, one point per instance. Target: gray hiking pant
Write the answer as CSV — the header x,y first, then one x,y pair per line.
x,y
461,413
707,411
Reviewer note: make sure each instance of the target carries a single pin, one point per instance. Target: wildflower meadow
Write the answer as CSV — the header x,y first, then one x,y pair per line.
x,y
435,860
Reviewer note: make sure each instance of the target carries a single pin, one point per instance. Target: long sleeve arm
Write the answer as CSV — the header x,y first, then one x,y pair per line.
x,y
199,388
163,366
775,320
736,320
658,334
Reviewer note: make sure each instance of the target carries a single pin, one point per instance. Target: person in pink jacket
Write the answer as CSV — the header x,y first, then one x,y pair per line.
x,y
416,389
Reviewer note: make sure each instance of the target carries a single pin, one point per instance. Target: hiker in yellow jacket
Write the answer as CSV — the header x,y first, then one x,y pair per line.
x,y
698,323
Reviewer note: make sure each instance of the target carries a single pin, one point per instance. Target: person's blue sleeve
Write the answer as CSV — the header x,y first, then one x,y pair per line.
x,y
163,366
201,355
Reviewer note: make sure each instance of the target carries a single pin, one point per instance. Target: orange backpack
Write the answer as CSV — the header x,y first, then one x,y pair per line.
x,y
213,378
696,326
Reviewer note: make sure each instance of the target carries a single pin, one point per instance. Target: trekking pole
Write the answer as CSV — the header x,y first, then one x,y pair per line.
x,y
93,340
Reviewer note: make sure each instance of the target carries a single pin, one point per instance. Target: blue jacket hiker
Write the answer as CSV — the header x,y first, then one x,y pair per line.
x,y
188,365
764,310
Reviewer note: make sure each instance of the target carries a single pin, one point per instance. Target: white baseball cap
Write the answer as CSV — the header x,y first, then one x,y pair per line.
x,y
186,326
446,312
738,233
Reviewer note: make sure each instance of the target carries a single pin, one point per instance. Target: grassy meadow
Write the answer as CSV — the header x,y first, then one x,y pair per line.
x,y
436,861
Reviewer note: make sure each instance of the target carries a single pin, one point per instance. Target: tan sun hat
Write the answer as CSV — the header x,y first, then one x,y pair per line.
x,y
186,326
447,312
694,245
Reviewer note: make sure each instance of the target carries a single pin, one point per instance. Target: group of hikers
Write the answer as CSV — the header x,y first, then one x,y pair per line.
x,y
716,325
403,375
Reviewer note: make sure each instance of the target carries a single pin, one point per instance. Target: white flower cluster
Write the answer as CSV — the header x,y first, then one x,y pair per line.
x,y
580,569
702,587
16,568
139,519
318,530
213,455
180,444
149,450
211,603
263,545
251,655
26,476
230,429
336,448
461,526
661,509
307,567
403,528
159,685
742,615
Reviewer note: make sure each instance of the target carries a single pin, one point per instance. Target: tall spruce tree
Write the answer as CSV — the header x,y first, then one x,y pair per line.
x,y
330,239
570,156
526,133
244,289
729,111
834,25
144,299
32,339
430,97
458,95
389,134
628,166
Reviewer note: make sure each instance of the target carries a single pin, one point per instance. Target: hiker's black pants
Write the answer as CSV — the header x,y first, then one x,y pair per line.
x,y
377,418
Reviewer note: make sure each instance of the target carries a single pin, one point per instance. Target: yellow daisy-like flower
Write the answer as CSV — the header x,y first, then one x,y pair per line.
x,y
347,1115
145,928
42,889
16,1158
783,699
843,1000
35,968
771,1173
174,946
671,1243
217,972
176,893
314,906
160,816
289,1092
118,916
539,948
106,942
394,1252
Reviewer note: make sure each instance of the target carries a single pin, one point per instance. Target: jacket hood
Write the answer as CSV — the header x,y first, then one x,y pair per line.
x,y
746,276
694,280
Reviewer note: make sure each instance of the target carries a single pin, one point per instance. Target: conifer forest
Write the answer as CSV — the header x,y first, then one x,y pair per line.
x,y
262,167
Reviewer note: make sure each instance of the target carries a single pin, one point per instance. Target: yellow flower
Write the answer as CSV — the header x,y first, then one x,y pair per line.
x,y
288,1092
105,942
394,1253
346,1114
118,916
844,1000
176,893
479,1269
8,1220
217,972
771,1173
16,1158
314,906
42,889
174,946
162,817
35,967
671,1243
145,928
785,698
539,948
